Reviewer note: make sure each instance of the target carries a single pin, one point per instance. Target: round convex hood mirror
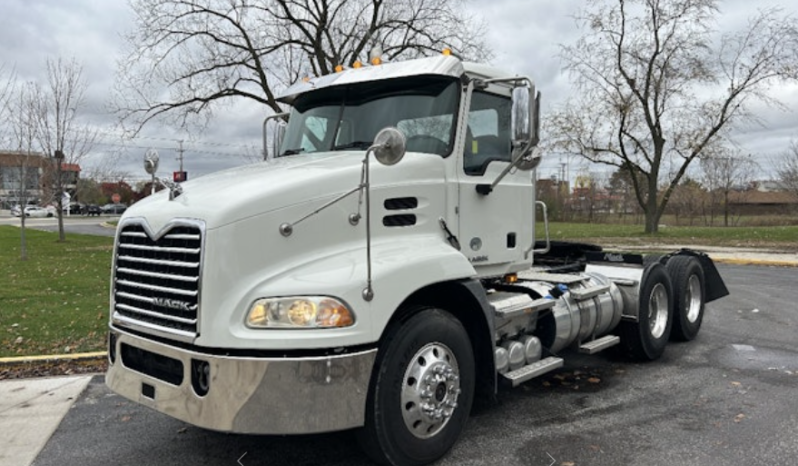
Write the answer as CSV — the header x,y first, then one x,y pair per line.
x,y
389,146
151,161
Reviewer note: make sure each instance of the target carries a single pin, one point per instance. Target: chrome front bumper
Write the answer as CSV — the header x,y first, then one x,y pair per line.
x,y
245,395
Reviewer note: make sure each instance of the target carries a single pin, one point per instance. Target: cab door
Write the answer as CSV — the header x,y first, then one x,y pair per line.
x,y
494,229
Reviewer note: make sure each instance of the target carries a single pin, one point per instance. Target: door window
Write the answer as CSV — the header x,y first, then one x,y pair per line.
x,y
488,132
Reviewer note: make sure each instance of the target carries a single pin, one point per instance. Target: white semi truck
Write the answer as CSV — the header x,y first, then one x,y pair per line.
x,y
378,271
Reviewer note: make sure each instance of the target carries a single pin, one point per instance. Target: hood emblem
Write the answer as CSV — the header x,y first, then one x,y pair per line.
x,y
171,304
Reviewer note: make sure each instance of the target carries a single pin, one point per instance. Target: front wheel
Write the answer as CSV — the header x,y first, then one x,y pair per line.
x,y
645,339
421,391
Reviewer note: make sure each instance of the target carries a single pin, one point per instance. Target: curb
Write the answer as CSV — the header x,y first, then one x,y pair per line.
x,y
760,262
18,360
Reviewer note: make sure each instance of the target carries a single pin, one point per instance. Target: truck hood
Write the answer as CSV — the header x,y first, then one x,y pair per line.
x,y
242,192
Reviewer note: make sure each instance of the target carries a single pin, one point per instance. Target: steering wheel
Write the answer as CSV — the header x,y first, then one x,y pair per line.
x,y
426,143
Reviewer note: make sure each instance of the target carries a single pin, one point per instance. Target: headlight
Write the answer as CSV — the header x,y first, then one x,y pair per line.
x,y
299,312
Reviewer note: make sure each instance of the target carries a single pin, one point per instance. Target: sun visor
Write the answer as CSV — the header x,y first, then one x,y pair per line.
x,y
442,65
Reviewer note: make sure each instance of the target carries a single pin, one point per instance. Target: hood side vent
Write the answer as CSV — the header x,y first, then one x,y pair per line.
x,y
402,220
401,203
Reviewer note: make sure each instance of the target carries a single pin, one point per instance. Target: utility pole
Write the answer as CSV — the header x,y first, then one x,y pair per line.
x,y
180,155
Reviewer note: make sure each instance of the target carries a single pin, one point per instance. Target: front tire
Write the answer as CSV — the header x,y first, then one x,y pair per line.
x,y
421,390
645,340
688,295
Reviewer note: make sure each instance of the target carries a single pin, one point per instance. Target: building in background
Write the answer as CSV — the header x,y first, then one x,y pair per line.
x,y
30,177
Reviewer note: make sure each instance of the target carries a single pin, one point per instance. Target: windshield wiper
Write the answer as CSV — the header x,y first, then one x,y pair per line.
x,y
354,145
292,151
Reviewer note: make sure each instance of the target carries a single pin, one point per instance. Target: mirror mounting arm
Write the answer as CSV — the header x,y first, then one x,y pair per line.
x,y
485,189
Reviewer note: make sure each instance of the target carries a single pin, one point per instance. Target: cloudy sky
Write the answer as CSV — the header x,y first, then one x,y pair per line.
x,y
525,36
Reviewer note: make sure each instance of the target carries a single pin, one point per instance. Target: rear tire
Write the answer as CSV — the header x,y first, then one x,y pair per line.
x,y
421,390
645,340
689,291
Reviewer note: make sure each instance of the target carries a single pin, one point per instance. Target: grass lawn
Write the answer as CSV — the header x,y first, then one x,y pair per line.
x,y
775,237
56,301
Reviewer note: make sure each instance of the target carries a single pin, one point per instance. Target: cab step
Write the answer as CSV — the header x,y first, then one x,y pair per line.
x,y
533,370
599,344
590,292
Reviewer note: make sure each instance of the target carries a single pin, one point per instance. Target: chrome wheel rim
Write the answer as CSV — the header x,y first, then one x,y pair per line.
x,y
658,310
430,389
693,298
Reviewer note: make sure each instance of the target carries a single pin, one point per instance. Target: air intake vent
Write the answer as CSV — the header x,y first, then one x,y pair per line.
x,y
401,203
405,220
156,282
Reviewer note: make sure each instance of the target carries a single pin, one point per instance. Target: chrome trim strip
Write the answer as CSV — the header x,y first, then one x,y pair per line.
x,y
162,289
183,236
142,247
144,260
152,329
144,273
158,315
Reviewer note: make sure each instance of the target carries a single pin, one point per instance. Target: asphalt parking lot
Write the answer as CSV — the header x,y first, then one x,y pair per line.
x,y
728,398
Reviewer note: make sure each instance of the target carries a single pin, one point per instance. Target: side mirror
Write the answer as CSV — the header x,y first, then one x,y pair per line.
x,y
279,135
525,127
389,146
278,130
521,116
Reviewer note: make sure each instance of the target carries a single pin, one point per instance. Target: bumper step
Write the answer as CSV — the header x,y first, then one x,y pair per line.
x,y
533,370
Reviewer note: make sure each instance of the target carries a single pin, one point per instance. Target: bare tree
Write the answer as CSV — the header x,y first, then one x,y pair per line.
x,y
656,92
724,174
22,172
60,134
206,52
787,169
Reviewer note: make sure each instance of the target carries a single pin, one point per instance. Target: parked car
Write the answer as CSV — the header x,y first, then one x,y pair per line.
x,y
75,208
92,209
115,209
16,211
36,211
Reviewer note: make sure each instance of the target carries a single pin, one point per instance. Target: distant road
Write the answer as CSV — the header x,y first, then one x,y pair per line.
x,y
72,224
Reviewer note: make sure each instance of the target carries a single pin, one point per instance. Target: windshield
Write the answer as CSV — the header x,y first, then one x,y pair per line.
x,y
348,117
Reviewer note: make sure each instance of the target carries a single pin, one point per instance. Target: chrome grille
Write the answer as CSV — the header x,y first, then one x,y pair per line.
x,y
156,282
